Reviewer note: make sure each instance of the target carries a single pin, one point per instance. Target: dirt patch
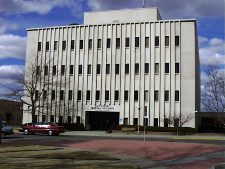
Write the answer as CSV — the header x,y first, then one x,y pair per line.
x,y
44,157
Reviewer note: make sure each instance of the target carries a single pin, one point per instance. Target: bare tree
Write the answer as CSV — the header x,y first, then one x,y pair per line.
x,y
212,92
179,121
30,87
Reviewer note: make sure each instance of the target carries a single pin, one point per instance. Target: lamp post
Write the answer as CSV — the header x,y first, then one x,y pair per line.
x,y
145,114
196,120
139,120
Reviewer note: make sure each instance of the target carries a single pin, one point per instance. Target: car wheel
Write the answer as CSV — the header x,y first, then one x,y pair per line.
x,y
2,135
26,132
50,133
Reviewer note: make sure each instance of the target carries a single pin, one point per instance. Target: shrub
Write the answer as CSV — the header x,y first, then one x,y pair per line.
x,y
73,126
184,130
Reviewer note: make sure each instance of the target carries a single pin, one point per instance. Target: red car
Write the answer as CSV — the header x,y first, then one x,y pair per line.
x,y
42,128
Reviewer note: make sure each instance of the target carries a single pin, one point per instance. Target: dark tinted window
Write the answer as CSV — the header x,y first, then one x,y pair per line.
x,y
71,69
98,69
70,95
46,71
38,70
156,67
156,95
53,95
135,121
177,68
156,122
99,45
89,70
79,95
166,95
117,69
146,67
72,44
54,70
47,46
69,119
39,46
126,95
90,44
108,42
97,95
64,45
177,40
157,41
55,45
62,69
177,97
146,42
61,94
136,68
106,95
81,44
126,68
45,94
136,41
80,70
135,95
127,42
107,68
116,95
117,42
88,95
167,40
167,68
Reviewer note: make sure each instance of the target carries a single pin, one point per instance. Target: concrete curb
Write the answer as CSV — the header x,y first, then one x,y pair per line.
x,y
148,136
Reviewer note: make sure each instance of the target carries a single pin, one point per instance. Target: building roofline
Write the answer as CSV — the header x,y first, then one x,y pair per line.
x,y
69,26
126,9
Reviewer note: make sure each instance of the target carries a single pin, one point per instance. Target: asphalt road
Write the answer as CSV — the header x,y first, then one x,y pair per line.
x,y
19,137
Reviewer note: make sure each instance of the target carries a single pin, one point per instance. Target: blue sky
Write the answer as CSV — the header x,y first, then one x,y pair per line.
x,y
17,15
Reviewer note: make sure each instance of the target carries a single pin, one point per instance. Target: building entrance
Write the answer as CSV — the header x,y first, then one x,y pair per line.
x,y
98,120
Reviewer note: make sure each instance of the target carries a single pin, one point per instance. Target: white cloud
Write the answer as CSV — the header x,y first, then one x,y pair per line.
x,y
38,6
168,9
12,46
211,51
7,71
202,40
6,25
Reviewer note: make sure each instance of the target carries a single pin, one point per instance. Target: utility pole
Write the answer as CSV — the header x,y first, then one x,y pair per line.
x,y
139,120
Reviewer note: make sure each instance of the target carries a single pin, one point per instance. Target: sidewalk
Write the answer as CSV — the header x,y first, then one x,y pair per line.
x,y
119,134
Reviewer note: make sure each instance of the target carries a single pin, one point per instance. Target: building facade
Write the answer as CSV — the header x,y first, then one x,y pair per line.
x,y
119,67
11,112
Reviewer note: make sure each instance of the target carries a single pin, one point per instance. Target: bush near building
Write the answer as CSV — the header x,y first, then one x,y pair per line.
x,y
73,126
184,130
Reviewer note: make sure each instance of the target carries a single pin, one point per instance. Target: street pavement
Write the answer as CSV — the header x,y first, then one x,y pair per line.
x,y
160,150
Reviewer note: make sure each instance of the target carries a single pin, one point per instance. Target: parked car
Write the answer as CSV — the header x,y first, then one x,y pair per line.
x,y
6,130
42,128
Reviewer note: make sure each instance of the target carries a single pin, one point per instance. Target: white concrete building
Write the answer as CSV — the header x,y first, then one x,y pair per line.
x,y
117,66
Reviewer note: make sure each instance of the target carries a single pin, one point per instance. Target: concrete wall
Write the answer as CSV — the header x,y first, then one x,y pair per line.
x,y
121,16
185,82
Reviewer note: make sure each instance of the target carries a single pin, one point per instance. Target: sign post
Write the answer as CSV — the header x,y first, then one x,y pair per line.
x,y
145,114
0,130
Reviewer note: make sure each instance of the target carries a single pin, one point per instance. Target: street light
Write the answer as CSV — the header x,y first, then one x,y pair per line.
x,y
139,120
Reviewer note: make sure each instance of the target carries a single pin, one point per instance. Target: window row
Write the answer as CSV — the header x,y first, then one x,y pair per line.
x,y
108,43
98,69
107,95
